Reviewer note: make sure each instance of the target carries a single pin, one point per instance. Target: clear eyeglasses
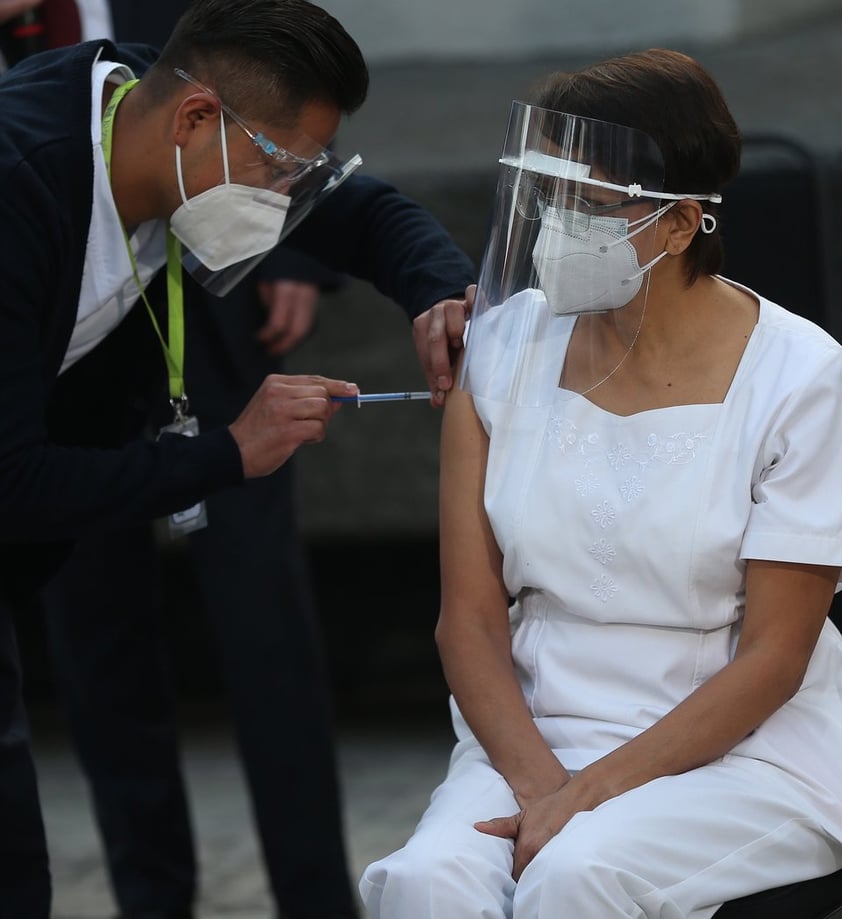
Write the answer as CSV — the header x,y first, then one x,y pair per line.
x,y
269,148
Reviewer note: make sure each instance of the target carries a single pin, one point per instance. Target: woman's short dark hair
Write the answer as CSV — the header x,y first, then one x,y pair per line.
x,y
265,58
674,100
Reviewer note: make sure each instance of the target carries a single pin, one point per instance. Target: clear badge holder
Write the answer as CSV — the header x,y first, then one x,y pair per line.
x,y
192,518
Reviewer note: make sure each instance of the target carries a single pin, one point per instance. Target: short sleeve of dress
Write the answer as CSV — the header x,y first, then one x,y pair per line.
x,y
796,513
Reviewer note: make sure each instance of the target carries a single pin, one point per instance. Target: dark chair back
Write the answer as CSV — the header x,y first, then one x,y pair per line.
x,y
819,898
773,226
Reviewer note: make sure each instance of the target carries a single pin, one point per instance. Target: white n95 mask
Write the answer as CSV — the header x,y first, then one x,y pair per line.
x,y
228,223
592,270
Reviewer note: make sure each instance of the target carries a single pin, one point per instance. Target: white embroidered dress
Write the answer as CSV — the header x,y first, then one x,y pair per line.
x,y
625,539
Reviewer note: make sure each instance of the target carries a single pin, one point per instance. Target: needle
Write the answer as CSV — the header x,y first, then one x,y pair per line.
x,y
382,397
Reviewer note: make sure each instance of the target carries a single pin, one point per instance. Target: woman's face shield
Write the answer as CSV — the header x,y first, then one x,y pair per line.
x,y
573,234
257,204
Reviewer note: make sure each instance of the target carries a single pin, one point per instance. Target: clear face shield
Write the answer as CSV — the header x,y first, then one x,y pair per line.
x,y
259,221
228,229
566,272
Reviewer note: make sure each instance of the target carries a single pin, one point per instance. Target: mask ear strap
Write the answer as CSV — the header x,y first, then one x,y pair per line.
x,y
224,147
640,225
179,174
225,170
643,222
645,268
708,224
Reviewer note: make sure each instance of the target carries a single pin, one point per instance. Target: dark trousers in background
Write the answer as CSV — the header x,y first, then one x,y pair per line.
x,y
24,872
114,681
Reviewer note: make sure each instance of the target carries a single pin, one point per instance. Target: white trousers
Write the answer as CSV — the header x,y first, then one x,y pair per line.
x,y
676,848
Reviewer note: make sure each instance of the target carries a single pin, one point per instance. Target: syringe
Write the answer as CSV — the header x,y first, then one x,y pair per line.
x,y
382,397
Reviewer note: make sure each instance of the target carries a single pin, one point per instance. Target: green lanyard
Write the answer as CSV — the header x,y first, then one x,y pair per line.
x,y
174,351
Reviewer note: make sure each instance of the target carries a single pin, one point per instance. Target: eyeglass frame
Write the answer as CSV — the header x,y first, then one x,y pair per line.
x,y
585,207
595,209
258,138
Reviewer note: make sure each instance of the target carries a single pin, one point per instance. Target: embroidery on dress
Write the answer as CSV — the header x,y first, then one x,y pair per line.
x,y
603,551
569,440
677,448
604,514
604,588
587,484
619,456
632,488
628,461
564,432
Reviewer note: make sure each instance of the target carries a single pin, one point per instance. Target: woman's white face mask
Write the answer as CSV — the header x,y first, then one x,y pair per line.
x,y
591,271
228,223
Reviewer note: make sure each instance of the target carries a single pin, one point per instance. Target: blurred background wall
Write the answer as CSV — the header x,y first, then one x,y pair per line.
x,y
439,29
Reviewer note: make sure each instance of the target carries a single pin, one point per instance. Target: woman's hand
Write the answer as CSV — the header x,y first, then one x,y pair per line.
x,y
538,821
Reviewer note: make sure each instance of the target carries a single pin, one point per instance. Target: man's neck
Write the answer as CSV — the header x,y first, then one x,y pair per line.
x,y
136,160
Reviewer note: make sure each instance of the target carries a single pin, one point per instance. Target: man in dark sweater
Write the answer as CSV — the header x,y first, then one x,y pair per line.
x,y
250,576
67,283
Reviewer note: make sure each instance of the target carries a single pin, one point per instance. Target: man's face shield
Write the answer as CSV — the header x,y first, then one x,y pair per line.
x,y
571,245
303,196
228,229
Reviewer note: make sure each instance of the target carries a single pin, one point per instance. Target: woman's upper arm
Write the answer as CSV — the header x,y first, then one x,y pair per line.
x,y
471,562
792,537
786,606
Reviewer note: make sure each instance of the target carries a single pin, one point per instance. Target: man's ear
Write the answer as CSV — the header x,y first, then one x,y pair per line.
x,y
196,112
684,220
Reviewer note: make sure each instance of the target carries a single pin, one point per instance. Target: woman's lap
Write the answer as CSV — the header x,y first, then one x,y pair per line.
x,y
682,845
676,847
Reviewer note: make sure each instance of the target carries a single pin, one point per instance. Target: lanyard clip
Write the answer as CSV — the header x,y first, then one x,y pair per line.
x,y
180,406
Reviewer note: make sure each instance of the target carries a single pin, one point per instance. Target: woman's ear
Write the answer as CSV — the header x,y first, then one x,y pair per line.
x,y
684,220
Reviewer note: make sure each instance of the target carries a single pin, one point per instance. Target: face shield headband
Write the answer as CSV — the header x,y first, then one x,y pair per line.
x,y
556,167
228,229
570,236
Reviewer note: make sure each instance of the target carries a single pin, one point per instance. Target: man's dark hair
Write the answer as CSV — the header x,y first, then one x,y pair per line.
x,y
264,58
671,98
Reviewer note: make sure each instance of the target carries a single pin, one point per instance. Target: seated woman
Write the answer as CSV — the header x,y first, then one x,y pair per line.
x,y
641,535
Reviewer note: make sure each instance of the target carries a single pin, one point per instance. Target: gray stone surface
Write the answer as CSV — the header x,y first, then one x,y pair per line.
x,y
387,775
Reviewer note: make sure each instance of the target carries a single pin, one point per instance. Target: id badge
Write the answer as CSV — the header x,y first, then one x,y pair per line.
x,y
195,517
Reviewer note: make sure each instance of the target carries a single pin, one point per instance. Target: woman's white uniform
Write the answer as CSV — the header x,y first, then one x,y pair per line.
x,y
624,540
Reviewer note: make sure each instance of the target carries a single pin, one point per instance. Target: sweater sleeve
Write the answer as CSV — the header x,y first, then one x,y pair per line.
x,y
368,229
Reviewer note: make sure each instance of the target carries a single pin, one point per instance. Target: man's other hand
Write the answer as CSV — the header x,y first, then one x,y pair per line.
x,y
438,336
